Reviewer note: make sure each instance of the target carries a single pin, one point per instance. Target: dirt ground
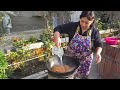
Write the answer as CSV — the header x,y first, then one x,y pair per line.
x,y
30,68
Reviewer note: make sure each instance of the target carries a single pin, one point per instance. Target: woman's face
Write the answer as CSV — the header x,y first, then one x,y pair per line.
x,y
85,23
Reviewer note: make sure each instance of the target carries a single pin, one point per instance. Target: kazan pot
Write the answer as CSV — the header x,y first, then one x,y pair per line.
x,y
70,61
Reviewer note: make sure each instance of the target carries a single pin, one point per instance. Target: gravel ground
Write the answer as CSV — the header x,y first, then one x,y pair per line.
x,y
93,72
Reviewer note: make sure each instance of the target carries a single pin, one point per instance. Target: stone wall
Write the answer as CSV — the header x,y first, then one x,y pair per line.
x,y
32,20
115,15
109,67
28,13
22,23
75,16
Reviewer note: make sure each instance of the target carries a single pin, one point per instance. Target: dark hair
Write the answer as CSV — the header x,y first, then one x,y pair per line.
x,y
90,16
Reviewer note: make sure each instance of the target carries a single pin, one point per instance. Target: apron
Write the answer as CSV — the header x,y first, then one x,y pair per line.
x,y
80,47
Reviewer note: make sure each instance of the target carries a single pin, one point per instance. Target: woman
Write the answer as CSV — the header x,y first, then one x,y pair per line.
x,y
83,37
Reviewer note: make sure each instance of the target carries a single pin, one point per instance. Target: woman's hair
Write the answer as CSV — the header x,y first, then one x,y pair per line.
x,y
90,16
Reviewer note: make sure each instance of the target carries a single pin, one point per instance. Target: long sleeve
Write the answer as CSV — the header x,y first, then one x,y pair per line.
x,y
67,28
97,39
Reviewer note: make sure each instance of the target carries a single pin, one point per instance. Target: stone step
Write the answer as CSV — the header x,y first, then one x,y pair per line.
x,y
39,75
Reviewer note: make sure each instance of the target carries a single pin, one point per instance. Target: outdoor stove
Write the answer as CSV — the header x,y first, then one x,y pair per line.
x,y
53,76
58,59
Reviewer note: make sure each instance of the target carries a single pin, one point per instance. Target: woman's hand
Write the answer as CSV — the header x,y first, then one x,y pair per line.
x,y
98,58
57,39
98,54
58,42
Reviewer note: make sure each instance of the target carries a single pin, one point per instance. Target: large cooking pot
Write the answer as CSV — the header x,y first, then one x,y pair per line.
x,y
70,61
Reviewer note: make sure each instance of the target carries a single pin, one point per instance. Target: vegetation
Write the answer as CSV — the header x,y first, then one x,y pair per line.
x,y
102,20
3,66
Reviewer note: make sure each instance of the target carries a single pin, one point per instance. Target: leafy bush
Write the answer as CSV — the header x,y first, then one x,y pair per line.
x,y
3,66
102,20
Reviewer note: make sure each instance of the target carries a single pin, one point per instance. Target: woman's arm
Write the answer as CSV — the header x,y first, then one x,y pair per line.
x,y
98,54
58,30
57,39
98,50
64,28
97,45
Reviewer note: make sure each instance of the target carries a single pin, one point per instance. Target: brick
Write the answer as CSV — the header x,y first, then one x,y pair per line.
x,y
110,51
101,67
118,69
114,67
113,52
106,50
103,52
117,56
114,70
107,71
116,76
